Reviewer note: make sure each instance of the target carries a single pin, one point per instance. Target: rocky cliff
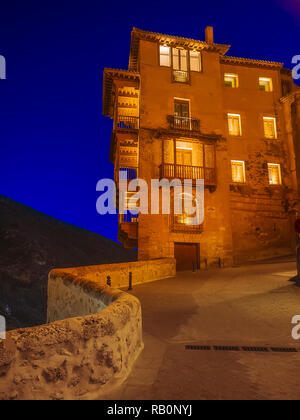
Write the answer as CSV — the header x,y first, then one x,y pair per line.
x,y
31,244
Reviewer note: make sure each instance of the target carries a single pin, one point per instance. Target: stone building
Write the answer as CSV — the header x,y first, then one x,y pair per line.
x,y
185,109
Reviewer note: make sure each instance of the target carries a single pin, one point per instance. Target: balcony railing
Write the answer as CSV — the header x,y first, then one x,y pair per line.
x,y
171,171
181,76
183,123
128,218
127,122
128,173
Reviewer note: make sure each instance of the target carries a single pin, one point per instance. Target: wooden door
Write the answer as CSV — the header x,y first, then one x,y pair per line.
x,y
187,256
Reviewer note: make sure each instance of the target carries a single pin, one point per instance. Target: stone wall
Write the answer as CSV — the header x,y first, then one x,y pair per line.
x,y
65,302
75,358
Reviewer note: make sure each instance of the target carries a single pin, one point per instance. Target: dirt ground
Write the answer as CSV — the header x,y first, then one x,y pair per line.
x,y
251,305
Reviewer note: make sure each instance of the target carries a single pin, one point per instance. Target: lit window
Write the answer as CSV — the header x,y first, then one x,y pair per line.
x,y
180,59
231,80
238,171
187,201
234,124
180,65
270,127
195,61
274,173
165,59
265,84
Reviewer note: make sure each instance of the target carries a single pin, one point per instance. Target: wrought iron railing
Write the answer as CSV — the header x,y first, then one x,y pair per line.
x,y
178,226
128,218
128,173
171,171
181,76
127,122
183,123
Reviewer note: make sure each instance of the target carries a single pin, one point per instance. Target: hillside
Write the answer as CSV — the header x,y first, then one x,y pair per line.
x,y
31,244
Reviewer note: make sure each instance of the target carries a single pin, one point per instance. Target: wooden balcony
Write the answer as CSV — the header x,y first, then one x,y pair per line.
x,y
128,230
183,123
172,171
127,123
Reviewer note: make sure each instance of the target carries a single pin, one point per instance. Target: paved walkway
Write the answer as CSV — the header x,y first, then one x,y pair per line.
x,y
250,305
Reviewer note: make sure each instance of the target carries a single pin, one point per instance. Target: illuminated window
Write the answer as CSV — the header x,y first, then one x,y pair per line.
x,y
195,61
180,65
182,114
270,127
234,124
238,171
265,84
231,80
180,59
274,173
185,218
165,57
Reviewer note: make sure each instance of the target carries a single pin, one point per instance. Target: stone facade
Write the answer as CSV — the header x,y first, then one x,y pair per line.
x,y
243,220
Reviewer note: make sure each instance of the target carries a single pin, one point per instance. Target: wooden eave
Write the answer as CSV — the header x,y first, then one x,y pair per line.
x,y
239,61
186,134
179,41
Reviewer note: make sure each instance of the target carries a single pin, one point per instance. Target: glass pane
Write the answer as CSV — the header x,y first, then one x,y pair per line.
x,y
183,60
182,109
185,110
164,56
177,109
269,128
231,80
195,61
238,174
176,59
234,125
274,174
265,84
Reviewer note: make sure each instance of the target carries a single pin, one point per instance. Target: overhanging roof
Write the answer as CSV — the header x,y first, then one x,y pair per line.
x,y
176,41
250,62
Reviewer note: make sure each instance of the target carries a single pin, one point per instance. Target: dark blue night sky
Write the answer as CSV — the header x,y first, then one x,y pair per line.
x,y
54,139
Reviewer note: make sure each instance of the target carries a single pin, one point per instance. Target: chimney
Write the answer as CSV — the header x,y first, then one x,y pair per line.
x,y
209,34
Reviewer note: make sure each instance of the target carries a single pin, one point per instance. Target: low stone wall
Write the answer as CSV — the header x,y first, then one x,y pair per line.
x,y
68,302
74,358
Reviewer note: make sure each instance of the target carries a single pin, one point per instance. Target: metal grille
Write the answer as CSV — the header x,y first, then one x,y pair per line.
x,y
244,349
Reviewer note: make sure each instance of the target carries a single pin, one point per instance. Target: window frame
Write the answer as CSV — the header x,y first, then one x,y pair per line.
x,y
230,114
160,55
234,77
274,119
180,102
244,172
278,166
199,60
180,61
266,79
